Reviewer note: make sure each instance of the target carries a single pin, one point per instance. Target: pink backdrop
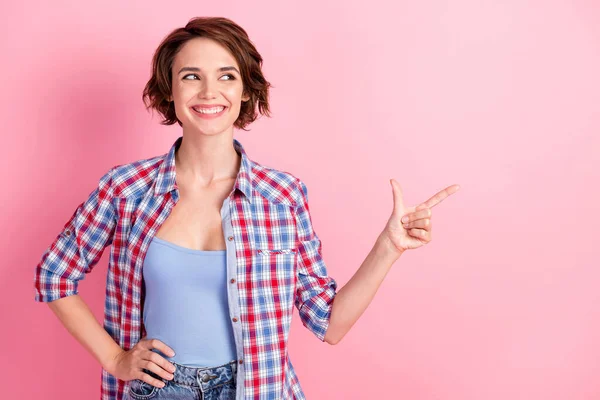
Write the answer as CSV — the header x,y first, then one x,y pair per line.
x,y
501,97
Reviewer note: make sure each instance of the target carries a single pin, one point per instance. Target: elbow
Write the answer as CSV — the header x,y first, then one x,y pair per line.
x,y
331,339
332,342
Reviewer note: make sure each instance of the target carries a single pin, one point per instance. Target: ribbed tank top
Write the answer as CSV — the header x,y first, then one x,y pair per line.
x,y
186,304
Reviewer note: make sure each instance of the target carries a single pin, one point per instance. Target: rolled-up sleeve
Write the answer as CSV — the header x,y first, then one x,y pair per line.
x,y
315,290
79,246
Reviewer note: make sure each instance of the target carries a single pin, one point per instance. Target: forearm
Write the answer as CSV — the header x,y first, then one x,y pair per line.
x,y
81,323
354,297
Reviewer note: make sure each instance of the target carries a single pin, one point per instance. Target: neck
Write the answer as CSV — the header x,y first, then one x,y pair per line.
x,y
205,159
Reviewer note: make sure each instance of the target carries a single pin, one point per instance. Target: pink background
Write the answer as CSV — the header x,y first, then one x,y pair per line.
x,y
501,97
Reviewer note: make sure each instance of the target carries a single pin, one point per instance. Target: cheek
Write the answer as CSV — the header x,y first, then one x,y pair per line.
x,y
181,91
235,95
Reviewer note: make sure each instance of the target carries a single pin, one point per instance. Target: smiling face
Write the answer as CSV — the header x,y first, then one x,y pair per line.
x,y
205,79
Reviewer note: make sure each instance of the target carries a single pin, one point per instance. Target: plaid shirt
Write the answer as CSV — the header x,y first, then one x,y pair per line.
x,y
277,254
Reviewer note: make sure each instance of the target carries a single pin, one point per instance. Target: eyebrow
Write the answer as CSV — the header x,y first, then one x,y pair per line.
x,y
196,69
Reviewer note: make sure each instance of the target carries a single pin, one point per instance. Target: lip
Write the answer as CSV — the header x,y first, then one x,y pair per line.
x,y
208,105
209,116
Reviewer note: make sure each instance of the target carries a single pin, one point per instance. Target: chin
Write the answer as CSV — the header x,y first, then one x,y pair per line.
x,y
210,131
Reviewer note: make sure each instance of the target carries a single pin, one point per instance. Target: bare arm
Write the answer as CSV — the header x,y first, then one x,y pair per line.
x,y
407,228
79,320
355,296
81,323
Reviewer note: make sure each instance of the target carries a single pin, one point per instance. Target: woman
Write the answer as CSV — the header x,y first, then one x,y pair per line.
x,y
210,249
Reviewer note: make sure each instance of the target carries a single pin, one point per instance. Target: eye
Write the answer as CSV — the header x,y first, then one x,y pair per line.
x,y
231,77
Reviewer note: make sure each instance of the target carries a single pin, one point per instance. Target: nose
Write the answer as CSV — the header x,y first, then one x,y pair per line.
x,y
207,91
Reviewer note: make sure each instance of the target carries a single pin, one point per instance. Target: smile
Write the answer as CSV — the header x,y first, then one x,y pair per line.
x,y
209,112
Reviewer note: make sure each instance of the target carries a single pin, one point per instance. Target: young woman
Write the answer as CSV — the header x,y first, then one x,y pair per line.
x,y
210,250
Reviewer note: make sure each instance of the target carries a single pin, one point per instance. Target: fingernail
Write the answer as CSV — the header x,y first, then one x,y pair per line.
x,y
404,219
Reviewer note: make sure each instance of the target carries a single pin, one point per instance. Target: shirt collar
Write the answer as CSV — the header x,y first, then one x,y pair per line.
x,y
165,180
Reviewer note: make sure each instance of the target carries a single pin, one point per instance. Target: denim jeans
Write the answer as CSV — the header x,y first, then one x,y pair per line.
x,y
189,383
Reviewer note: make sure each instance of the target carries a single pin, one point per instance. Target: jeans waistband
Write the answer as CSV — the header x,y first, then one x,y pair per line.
x,y
205,378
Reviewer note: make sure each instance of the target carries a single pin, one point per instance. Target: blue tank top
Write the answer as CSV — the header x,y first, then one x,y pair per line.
x,y
186,304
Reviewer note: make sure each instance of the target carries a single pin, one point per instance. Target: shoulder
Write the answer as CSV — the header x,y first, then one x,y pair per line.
x,y
136,177
276,185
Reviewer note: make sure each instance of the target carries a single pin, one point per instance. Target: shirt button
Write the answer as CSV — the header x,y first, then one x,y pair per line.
x,y
230,238
241,361
232,280
68,232
234,319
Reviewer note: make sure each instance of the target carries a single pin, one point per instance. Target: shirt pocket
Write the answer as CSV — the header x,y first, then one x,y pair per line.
x,y
274,274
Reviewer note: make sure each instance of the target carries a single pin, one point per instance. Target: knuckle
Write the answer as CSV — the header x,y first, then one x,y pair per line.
x,y
156,359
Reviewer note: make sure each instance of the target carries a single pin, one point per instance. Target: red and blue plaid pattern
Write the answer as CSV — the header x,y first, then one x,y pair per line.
x,y
278,256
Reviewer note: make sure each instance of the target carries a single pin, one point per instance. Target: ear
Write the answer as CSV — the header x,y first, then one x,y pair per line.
x,y
245,97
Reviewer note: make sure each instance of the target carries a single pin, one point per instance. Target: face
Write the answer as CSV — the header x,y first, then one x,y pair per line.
x,y
206,78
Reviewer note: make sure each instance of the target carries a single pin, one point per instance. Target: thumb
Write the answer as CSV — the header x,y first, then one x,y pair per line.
x,y
398,197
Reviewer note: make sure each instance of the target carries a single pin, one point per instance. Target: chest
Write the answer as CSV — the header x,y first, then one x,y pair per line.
x,y
259,225
195,221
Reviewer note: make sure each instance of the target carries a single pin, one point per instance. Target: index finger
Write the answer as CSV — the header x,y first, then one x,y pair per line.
x,y
441,195
159,345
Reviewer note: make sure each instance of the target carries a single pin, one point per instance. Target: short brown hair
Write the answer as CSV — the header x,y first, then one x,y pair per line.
x,y
231,36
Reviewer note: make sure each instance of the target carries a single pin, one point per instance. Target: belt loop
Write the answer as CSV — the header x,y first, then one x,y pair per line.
x,y
235,370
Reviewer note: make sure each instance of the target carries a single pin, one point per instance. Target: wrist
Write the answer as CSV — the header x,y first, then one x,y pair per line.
x,y
388,246
110,362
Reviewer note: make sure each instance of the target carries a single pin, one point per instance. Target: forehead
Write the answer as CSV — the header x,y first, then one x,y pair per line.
x,y
204,53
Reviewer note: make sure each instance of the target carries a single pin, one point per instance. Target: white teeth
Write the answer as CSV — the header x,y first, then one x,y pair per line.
x,y
209,110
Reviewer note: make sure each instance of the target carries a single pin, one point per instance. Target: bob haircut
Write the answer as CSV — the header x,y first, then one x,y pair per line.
x,y
234,38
